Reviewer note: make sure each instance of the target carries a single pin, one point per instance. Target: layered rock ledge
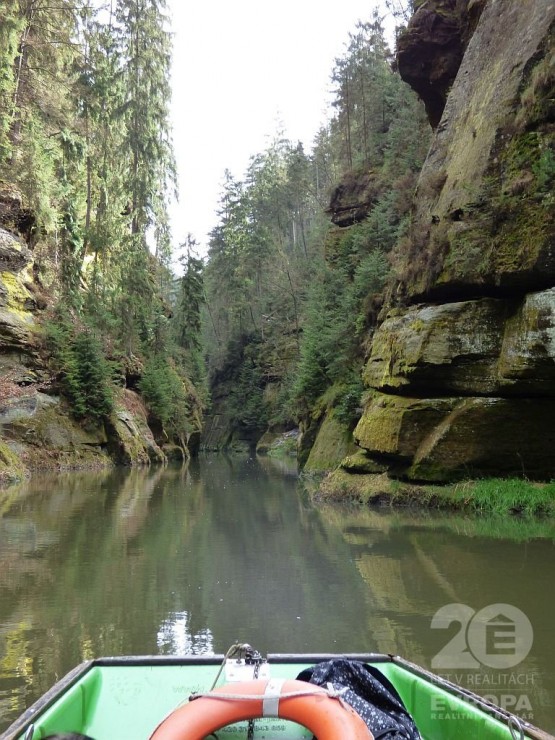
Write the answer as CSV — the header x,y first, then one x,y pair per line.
x,y
461,369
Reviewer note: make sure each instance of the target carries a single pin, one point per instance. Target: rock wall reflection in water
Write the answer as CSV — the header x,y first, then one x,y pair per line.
x,y
173,560
416,563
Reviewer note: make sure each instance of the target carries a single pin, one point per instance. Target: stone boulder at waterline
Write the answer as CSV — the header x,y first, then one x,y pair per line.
x,y
440,439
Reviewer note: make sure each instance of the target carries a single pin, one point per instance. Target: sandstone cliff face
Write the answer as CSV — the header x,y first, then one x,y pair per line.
x,y
17,322
36,426
483,216
462,366
429,53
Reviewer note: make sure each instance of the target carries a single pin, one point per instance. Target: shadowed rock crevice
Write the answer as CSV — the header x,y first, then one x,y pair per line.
x,y
352,200
430,50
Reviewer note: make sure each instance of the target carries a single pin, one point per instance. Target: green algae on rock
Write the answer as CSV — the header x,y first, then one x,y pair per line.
x,y
333,442
467,231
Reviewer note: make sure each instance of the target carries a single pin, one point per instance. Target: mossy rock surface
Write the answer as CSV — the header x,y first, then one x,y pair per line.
x,y
14,254
489,437
449,348
19,330
131,441
38,432
340,485
527,359
482,347
50,439
266,442
484,216
11,466
275,443
439,440
360,463
333,442
396,425
25,406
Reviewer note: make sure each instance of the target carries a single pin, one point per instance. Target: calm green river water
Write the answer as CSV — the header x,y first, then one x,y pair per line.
x,y
190,560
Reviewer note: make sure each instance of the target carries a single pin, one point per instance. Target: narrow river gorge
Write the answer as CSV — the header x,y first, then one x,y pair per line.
x,y
176,560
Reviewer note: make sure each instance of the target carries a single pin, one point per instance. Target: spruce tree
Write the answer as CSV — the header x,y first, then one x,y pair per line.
x,y
190,298
145,52
11,30
145,47
36,81
102,119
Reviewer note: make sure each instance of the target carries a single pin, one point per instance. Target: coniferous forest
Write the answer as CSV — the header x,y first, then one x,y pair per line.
x,y
273,320
85,138
302,249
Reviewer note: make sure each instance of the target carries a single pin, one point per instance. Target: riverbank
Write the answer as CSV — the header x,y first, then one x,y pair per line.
x,y
511,496
492,496
38,432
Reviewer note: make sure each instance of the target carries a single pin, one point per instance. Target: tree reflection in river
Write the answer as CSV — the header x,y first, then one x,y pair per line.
x,y
191,559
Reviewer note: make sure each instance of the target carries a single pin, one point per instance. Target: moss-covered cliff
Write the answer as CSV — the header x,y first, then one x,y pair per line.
x,y
38,426
483,212
461,367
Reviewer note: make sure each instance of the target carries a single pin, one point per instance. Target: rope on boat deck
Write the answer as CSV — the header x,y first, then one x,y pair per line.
x,y
242,649
329,690
250,730
514,727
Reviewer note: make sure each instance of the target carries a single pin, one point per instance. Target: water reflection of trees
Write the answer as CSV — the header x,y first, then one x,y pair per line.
x,y
143,561
194,558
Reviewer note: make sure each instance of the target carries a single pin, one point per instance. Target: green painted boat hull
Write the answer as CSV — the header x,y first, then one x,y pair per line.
x,y
126,698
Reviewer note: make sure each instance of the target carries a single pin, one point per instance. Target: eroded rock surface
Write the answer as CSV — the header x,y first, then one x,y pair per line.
x,y
18,326
332,443
37,429
131,439
483,216
14,215
461,369
352,200
440,439
430,52
487,346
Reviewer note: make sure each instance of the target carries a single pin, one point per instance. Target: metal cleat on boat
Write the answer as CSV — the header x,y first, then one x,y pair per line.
x,y
244,663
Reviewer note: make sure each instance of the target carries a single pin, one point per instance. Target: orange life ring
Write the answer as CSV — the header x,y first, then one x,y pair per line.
x,y
326,717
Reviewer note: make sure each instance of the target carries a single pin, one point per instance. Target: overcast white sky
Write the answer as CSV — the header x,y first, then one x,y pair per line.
x,y
239,67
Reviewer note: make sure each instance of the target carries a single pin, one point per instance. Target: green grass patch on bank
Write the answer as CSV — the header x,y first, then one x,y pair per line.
x,y
496,496
507,496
